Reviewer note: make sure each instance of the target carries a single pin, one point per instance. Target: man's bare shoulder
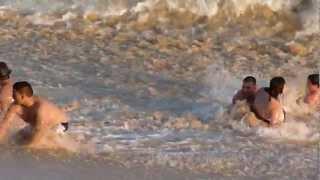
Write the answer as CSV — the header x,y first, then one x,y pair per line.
x,y
261,95
275,105
15,108
45,105
48,111
42,102
261,90
311,99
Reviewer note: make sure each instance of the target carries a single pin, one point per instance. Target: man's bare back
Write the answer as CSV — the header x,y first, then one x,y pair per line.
x,y
41,112
267,106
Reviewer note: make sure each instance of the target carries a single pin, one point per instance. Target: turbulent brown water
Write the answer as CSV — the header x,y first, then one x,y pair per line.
x,y
154,79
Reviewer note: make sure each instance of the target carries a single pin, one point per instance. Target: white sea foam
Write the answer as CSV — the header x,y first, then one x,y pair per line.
x,y
306,10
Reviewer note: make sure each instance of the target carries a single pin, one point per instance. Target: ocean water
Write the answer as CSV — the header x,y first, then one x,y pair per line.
x,y
154,79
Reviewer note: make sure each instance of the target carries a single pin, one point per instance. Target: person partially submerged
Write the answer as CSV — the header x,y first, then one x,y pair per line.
x,y
247,92
267,106
41,115
313,91
5,87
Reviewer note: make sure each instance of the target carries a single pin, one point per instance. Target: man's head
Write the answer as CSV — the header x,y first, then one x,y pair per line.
x,y
4,71
313,82
277,86
249,85
22,92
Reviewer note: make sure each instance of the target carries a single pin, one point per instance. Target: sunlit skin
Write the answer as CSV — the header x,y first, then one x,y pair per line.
x,y
5,94
268,108
313,94
40,114
247,92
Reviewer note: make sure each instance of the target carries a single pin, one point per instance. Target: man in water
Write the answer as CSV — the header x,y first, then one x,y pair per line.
x,y
5,87
247,92
267,106
313,91
41,115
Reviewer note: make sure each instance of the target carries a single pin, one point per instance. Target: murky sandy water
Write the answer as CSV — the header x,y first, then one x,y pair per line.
x,y
158,93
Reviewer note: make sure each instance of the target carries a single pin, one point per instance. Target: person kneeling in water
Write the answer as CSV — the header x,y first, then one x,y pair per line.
x,y
313,91
247,92
267,106
40,114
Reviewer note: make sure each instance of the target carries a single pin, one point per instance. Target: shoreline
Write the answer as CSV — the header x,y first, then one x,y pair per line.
x,y
16,163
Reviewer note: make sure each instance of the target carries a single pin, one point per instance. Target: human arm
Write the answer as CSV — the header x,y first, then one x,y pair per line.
x,y
236,97
277,116
254,110
8,117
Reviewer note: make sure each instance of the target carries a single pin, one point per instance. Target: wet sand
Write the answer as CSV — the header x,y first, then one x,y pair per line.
x,y
20,164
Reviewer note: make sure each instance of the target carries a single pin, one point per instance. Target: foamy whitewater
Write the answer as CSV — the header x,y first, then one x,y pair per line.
x,y
154,80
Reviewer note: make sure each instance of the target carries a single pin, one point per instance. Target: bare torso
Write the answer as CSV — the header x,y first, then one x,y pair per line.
x,y
5,95
42,111
268,107
313,99
43,117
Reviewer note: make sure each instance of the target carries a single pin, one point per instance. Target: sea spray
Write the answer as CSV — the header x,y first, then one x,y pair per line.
x,y
150,12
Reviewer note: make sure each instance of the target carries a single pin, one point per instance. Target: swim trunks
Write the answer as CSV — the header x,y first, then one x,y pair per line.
x,y
62,128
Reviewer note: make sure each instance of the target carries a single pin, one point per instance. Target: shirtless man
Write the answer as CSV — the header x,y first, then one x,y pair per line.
x,y
267,106
313,91
41,115
5,87
247,92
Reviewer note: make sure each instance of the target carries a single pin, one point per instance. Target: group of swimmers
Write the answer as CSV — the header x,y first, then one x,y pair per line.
x,y
17,101
265,102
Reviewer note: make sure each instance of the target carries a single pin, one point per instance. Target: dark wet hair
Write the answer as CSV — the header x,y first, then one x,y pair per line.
x,y
4,71
314,79
249,79
277,83
24,88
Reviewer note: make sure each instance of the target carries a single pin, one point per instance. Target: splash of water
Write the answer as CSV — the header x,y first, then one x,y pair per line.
x,y
223,86
167,10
